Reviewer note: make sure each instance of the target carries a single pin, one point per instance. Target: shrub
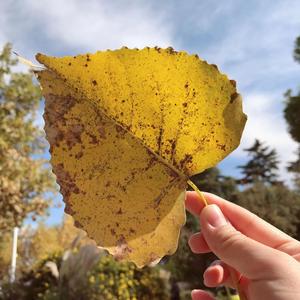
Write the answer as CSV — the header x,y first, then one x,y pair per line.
x,y
87,274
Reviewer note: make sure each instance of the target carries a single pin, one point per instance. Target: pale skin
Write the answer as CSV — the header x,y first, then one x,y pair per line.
x,y
266,260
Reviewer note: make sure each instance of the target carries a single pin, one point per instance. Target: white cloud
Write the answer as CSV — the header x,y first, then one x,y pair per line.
x,y
102,24
255,42
83,25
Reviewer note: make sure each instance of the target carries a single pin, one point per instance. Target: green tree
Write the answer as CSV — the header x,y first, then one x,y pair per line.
x,y
297,49
262,166
292,114
276,204
265,195
211,180
24,175
292,117
294,167
87,273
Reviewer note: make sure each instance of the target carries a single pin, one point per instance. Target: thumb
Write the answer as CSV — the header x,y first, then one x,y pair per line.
x,y
251,258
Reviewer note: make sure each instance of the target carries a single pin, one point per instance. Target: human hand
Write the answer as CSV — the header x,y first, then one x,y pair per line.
x,y
266,260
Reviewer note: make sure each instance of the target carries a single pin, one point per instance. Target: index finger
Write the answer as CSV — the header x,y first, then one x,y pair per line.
x,y
246,222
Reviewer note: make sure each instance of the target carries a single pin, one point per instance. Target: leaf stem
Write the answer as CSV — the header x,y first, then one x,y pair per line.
x,y
194,187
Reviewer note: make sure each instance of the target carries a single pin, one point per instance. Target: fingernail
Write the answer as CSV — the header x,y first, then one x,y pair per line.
x,y
215,216
194,294
193,241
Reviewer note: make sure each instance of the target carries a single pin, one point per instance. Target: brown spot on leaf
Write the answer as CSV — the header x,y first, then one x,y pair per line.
x,y
55,110
233,83
78,224
79,155
101,130
159,138
187,159
170,50
214,66
173,148
121,131
233,97
66,182
122,248
69,210
93,138
222,147
158,49
73,135
131,230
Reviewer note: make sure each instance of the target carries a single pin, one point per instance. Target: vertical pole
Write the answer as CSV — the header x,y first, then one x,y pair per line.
x,y
14,255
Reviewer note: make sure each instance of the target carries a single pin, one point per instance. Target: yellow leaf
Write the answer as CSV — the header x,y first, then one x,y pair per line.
x,y
127,128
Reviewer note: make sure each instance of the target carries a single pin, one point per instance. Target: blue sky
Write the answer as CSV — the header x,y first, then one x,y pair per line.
x,y
251,41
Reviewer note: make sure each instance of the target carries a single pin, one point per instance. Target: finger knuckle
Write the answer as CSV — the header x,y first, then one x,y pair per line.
x,y
230,239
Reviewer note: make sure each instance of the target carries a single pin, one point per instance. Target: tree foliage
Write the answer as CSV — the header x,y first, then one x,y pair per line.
x,y
292,114
297,49
36,244
294,167
276,204
24,176
211,180
292,117
264,195
86,273
262,166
